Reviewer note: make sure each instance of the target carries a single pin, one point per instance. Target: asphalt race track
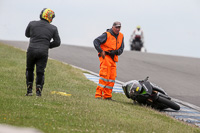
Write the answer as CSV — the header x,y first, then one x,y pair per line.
x,y
178,76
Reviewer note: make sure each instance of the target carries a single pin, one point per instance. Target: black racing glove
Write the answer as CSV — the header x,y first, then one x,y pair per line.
x,y
113,52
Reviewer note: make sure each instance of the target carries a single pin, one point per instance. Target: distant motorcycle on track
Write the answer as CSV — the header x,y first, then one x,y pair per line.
x,y
146,93
137,46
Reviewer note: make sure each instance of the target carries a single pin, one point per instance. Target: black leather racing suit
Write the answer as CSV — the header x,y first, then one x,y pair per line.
x,y
40,33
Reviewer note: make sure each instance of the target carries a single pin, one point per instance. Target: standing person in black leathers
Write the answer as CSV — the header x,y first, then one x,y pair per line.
x,y
40,33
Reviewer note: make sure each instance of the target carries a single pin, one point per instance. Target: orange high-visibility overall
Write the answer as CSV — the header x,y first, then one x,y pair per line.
x,y
108,71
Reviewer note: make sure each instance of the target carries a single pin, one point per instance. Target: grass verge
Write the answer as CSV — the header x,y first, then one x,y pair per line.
x,y
80,112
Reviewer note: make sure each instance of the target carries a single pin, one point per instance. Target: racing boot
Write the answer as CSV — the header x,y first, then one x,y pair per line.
x,y
29,89
38,90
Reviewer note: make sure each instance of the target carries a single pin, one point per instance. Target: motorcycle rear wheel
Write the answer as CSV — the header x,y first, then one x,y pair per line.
x,y
168,103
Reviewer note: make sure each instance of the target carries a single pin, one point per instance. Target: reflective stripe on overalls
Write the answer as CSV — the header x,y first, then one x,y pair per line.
x,y
106,80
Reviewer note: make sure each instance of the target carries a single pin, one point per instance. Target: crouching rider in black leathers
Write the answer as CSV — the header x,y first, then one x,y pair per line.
x,y
40,33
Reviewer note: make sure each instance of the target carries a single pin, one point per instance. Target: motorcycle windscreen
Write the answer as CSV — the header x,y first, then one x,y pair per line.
x,y
127,88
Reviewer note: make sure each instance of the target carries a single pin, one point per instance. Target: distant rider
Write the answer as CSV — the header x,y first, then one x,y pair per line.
x,y
137,36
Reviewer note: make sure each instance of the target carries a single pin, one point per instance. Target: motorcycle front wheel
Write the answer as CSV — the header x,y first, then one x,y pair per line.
x,y
168,103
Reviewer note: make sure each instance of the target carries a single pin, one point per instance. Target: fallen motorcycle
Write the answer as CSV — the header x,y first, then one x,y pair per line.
x,y
147,93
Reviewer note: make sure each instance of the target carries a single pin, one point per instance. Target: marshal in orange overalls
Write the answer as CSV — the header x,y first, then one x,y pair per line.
x,y
108,71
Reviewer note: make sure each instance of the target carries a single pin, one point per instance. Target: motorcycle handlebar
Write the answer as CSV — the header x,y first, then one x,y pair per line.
x,y
145,79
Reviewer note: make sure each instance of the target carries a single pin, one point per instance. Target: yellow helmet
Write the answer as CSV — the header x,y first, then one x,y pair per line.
x,y
138,27
47,14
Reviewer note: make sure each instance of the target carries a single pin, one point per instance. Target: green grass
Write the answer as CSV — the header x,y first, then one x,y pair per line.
x,y
80,112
